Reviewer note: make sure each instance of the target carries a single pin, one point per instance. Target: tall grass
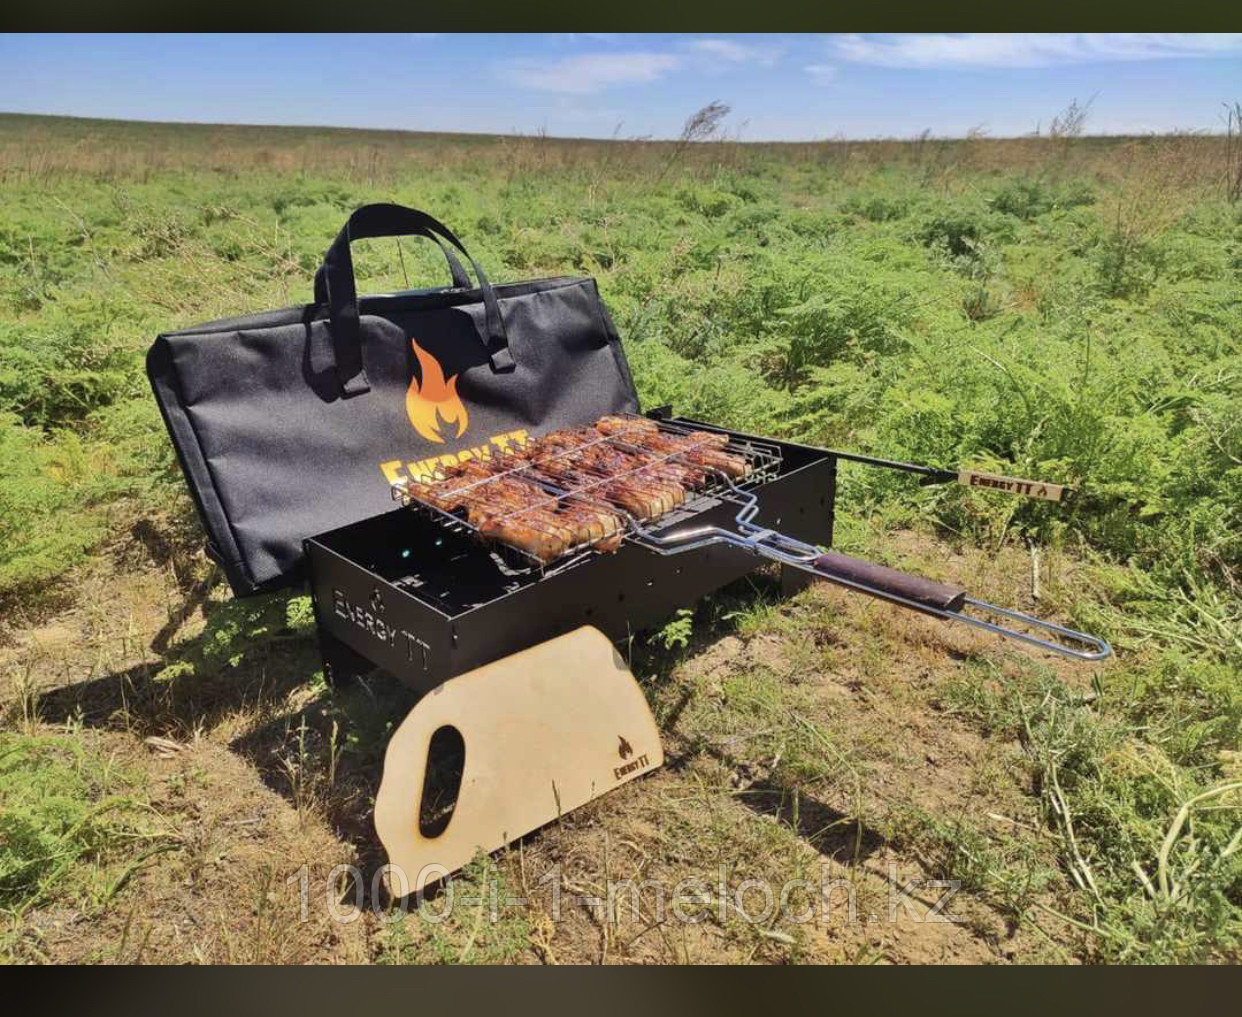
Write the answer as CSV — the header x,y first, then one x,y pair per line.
x,y
38,148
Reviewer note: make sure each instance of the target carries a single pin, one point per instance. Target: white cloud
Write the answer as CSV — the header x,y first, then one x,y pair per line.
x,y
731,52
593,72
821,74
590,72
999,49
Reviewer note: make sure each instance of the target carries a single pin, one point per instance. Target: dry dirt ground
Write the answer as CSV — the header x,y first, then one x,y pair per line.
x,y
809,737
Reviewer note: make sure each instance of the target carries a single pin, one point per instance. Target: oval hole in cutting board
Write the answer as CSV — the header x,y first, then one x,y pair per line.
x,y
446,759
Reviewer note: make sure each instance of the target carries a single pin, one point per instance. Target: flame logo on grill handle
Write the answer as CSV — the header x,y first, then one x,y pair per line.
x,y
431,402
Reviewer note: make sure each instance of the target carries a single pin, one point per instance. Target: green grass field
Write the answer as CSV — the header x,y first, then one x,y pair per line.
x,y
1063,308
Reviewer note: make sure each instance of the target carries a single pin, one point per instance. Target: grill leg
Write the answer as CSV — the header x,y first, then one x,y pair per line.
x,y
794,580
341,663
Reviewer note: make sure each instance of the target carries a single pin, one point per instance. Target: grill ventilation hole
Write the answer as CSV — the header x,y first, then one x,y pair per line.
x,y
446,759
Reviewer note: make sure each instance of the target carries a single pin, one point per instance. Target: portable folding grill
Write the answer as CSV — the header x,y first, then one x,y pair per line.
x,y
423,593
420,594
281,419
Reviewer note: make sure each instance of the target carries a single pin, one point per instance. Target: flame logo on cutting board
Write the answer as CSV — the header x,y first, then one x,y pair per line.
x,y
432,403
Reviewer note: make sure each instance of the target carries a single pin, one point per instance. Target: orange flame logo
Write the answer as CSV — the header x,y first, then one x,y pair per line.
x,y
432,404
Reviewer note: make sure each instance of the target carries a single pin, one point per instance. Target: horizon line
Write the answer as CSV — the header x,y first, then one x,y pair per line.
x,y
637,140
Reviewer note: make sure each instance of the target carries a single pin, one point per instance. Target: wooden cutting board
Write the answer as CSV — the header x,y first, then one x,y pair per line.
x,y
545,730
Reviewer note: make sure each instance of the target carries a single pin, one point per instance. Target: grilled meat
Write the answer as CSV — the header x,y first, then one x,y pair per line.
x,y
631,426
531,532
599,469
516,510
702,448
569,488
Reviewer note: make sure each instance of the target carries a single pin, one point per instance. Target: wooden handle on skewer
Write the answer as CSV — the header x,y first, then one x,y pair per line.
x,y
1013,485
883,580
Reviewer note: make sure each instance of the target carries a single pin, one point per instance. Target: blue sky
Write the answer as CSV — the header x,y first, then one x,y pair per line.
x,y
781,87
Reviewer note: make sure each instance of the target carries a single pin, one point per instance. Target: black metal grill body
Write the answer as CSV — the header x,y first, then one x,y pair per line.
x,y
401,592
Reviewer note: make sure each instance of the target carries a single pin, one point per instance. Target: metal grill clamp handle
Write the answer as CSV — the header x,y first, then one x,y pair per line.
x,y
907,591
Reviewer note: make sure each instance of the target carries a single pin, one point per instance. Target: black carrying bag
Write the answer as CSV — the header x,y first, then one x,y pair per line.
x,y
292,423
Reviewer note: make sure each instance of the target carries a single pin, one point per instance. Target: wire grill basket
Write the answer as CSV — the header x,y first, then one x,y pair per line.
x,y
574,500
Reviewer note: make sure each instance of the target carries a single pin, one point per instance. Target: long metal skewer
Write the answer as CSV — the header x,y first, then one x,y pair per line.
x,y
787,550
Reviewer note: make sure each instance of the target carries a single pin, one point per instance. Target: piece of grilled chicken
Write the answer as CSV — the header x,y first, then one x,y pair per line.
x,y
580,461
614,450
518,511
702,448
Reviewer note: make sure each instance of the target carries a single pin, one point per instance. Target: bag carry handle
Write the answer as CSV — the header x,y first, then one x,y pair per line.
x,y
461,280
334,286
